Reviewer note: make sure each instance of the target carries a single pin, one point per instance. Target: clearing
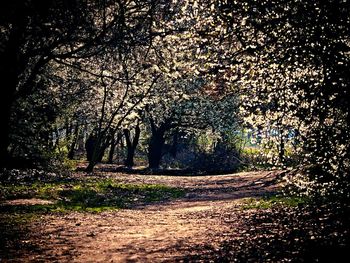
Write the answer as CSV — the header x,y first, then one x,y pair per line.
x,y
209,212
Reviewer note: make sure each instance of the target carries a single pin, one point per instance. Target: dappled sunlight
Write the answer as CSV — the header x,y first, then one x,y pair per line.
x,y
148,231
174,131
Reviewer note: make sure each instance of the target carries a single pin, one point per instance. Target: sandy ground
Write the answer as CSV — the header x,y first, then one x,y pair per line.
x,y
158,232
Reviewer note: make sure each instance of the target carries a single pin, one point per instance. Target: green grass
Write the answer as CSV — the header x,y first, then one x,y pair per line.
x,y
272,201
88,196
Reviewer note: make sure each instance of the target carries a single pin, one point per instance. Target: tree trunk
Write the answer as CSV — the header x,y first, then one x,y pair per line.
x,y
93,153
281,149
90,167
131,145
114,143
97,150
155,149
96,157
101,153
89,146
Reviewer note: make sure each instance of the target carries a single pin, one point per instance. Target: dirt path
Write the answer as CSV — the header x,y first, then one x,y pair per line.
x,y
160,232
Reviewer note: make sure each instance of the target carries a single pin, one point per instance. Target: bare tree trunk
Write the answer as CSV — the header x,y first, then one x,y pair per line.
x,y
131,145
156,144
281,149
155,150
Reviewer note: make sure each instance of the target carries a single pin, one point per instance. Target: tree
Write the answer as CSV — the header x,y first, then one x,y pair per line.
x,y
36,33
183,106
299,75
37,36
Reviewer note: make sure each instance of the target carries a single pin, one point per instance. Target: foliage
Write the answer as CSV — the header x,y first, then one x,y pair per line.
x,y
89,70
222,158
297,82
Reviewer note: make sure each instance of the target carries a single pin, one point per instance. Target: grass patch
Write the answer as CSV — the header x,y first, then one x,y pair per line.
x,y
89,196
273,201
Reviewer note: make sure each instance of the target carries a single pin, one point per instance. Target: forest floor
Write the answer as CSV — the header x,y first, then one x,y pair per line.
x,y
210,221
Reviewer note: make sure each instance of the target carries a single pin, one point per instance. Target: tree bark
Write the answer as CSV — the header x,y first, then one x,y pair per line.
x,y
89,147
281,149
155,148
102,152
114,143
131,145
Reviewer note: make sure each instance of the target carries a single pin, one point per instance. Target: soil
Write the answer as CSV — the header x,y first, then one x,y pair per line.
x,y
210,213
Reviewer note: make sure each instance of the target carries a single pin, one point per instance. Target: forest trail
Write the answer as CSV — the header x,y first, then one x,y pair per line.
x,y
166,231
